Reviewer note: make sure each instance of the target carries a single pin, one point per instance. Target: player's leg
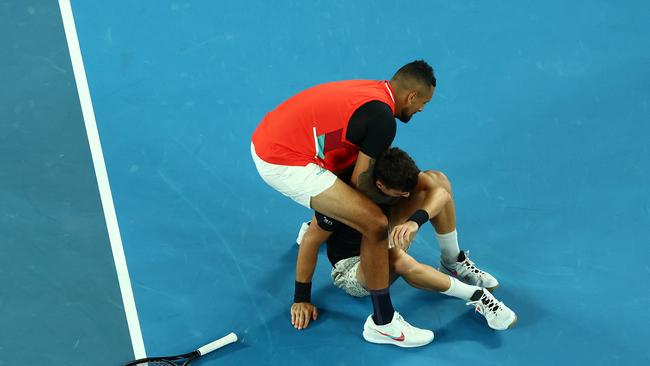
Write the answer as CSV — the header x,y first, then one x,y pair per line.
x,y
417,274
317,188
445,222
352,208
348,276
425,277
453,261
314,187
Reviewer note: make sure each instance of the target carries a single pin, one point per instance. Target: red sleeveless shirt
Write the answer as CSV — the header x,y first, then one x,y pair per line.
x,y
310,127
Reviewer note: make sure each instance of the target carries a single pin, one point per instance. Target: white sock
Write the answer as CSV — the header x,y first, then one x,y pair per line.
x,y
449,249
460,290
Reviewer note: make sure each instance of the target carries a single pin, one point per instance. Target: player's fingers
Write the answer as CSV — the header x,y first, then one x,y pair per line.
x,y
293,317
407,233
306,322
396,236
314,313
301,317
395,230
400,236
411,235
306,317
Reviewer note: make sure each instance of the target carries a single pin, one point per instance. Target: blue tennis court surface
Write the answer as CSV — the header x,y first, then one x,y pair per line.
x,y
541,119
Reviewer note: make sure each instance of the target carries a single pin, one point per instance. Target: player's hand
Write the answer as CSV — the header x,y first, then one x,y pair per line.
x,y
402,234
302,313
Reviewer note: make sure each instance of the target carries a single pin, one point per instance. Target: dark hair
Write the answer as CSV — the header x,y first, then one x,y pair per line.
x,y
418,70
397,170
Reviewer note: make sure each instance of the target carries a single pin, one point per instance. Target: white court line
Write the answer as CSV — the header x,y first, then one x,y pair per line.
x,y
102,179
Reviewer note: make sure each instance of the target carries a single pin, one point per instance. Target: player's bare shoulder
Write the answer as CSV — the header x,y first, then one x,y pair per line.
x,y
427,179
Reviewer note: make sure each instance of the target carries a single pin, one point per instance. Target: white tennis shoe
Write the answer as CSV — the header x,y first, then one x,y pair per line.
x,y
398,332
466,271
497,314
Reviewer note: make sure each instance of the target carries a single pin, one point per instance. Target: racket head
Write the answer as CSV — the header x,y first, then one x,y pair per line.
x,y
165,361
187,358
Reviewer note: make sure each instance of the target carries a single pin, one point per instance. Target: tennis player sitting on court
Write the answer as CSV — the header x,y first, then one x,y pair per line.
x,y
418,197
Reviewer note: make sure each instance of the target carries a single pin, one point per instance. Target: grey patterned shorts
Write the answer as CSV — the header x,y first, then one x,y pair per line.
x,y
344,276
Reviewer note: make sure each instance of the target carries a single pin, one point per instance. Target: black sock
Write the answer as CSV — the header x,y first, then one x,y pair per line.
x,y
382,306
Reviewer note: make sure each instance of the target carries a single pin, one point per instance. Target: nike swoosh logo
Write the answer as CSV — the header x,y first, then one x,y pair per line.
x,y
399,339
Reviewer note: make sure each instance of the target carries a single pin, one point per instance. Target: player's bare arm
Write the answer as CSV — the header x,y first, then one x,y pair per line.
x,y
303,312
363,179
434,198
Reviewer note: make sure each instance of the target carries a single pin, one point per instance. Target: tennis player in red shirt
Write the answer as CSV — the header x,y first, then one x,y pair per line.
x,y
309,146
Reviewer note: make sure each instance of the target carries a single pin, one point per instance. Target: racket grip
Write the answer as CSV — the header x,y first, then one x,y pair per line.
x,y
223,341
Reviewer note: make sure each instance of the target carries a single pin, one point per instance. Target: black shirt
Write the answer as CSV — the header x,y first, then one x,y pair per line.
x,y
372,128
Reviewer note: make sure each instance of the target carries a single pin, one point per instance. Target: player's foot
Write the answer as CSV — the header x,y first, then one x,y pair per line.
x,y
301,233
466,271
497,314
398,332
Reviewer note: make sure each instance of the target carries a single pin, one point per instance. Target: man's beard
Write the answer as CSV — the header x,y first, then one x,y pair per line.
x,y
404,119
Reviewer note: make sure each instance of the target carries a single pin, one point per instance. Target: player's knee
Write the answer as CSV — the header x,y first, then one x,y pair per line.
x,y
401,263
376,227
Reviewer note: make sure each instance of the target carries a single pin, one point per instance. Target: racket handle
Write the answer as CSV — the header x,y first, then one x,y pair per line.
x,y
223,341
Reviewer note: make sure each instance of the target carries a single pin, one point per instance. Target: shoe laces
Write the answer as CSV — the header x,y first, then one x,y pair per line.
x,y
402,321
470,265
486,302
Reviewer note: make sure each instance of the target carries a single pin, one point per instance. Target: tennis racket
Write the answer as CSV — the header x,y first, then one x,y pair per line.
x,y
186,358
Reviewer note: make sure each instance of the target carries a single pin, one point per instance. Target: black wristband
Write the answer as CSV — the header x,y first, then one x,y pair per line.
x,y
302,292
420,217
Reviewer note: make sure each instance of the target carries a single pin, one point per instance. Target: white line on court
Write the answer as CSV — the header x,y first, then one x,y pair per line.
x,y
102,179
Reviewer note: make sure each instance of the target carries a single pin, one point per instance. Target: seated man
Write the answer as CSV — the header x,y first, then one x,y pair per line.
x,y
416,197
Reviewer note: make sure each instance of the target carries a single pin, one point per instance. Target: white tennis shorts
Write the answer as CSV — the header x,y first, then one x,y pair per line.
x,y
300,183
